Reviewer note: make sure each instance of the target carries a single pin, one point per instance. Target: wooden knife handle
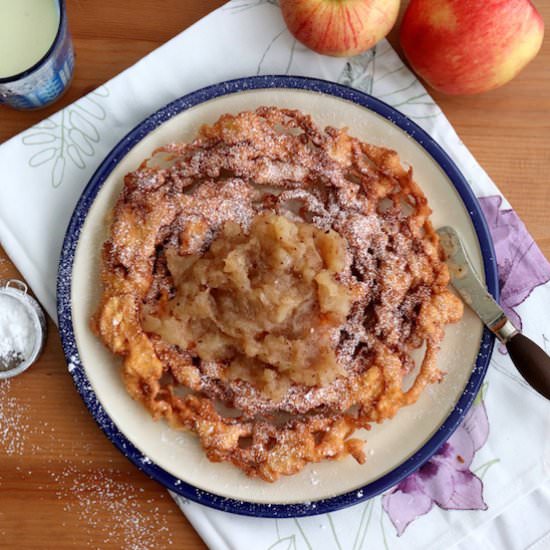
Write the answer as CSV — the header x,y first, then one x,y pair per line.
x,y
532,362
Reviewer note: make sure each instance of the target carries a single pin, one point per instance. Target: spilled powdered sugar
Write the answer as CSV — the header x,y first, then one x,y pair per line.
x,y
87,494
138,525
14,424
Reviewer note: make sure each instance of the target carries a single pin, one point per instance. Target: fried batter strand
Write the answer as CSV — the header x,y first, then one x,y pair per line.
x,y
266,284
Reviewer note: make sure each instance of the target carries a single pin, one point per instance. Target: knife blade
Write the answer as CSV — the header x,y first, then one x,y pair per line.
x,y
530,359
469,286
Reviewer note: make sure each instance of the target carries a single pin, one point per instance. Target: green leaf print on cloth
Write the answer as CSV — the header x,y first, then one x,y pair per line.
x,y
67,137
369,73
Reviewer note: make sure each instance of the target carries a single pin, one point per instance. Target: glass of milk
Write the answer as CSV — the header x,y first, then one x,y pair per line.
x,y
36,52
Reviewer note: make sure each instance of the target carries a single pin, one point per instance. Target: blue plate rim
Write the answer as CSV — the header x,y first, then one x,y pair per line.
x,y
64,282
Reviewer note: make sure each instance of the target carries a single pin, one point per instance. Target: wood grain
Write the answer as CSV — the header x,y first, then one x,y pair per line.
x,y
62,483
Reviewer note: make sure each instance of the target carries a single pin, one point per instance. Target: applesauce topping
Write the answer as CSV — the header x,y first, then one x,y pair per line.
x,y
267,303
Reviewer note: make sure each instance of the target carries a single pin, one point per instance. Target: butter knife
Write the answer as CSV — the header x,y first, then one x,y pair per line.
x,y
531,361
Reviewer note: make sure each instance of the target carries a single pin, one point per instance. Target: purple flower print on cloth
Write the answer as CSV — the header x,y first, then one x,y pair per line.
x,y
446,479
521,265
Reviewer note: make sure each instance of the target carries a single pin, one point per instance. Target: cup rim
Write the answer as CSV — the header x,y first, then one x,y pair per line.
x,y
41,61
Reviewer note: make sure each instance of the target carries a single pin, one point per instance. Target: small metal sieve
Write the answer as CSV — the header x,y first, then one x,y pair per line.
x,y
17,291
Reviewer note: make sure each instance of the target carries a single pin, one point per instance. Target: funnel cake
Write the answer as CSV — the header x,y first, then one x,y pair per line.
x,y
265,286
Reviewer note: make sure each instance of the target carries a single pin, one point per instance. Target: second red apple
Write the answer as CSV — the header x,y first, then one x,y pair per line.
x,y
470,46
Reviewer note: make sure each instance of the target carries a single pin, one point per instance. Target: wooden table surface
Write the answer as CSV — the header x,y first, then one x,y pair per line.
x,y
62,483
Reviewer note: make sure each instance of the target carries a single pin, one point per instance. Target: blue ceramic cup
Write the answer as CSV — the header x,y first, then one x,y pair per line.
x,y
45,81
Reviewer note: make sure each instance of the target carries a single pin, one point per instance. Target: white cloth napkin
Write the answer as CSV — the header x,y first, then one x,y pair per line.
x,y
44,169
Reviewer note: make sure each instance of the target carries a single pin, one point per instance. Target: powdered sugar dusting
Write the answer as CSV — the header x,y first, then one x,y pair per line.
x,y
14,424
314,477
89,494
138,524
16,332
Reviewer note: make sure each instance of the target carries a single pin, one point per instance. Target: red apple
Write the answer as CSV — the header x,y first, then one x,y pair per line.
x,y
339,27
470,46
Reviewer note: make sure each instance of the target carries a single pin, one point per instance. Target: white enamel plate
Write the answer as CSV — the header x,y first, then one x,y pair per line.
x,y
395,448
